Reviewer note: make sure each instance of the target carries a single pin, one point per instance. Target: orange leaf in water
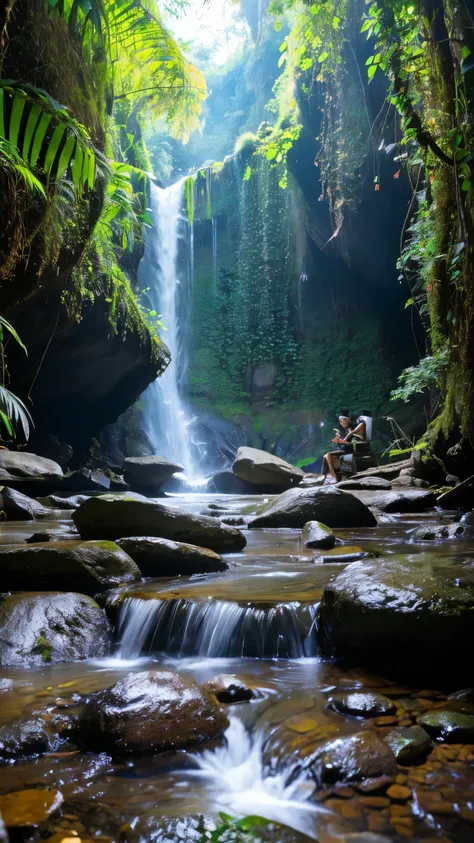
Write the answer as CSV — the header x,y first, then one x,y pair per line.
x,y
396,175
377,187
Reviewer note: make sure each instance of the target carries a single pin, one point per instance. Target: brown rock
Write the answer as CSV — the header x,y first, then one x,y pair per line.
x,y
377,802
228,689
359,756
363,704
29,808
399,793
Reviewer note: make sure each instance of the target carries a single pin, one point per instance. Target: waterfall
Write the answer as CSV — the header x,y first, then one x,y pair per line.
x,y
214,251
166,272
216,629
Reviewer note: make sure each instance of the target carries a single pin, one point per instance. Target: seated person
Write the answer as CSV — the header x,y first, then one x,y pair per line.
x,y
358,431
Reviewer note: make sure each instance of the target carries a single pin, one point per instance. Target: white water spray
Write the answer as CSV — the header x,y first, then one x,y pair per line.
x,y
166,271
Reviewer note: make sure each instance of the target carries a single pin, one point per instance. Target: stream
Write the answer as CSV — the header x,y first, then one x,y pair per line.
x,y
258,621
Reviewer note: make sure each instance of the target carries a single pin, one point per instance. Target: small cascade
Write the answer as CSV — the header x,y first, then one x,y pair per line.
x,y
166,271
214,251
216,629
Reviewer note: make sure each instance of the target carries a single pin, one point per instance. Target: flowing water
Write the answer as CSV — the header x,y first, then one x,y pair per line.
x,y
256,620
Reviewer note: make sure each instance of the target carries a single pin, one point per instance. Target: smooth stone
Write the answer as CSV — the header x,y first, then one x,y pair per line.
x,y
149,712
112,517
365,484
363,704
29,808
86,567
58,502
149,473
228,689
436,532
316,534
58,627
25,738
410,744
411,500
227,483
165,558
408,613
19,507
360,756
263,469
24,464
406,481
466,695
451,726
328,505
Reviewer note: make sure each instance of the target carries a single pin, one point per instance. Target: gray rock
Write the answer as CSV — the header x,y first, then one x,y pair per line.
x,y
60,627
111,517
407,612
58,502
227,483
23,464
436,532
19,507
316,534
406,481
365,484
148,712
363,704
328,505
149,473
263,469
410,744
86,567
451,726
411,500
346,554
165,558
360,756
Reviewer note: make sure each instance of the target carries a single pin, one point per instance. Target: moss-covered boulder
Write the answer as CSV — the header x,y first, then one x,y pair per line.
x,y
316,534
165,558
328,505
410,744
111,517
150,712
451,726
36,629
86,567
409,613
265,470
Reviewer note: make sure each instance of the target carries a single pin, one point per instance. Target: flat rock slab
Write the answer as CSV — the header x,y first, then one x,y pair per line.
x,y
23,464
86,567
328,505
263,469
369,484
36,629
388,472
29,808
409,612
410,500
347,554
111,517
149,473
165,558
149,712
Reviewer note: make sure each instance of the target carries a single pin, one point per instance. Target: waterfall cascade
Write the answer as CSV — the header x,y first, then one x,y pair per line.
x,y
216,628
166,273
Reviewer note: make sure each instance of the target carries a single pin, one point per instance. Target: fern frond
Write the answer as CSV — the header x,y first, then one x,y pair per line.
x,y
14,409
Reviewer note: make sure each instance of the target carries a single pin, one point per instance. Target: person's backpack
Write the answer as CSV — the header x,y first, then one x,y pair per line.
x,y
367,420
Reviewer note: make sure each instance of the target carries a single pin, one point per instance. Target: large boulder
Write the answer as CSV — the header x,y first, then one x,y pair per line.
x,y
265,470
165,558
148,712
19,507
22,464
410,500
149,473
86,567
227,483
40,628
328,505
352,758
111,517
408,613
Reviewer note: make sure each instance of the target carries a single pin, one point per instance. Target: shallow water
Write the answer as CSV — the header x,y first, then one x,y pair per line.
x,y
271,585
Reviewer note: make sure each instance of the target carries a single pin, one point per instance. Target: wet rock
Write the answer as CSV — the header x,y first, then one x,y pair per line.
x,y
407,613
236,520
227,483
263,469
86,567
316,534
363,704
19,507
410,744
149,473
347,554
459,497
58,502
150,712
111,517
328,505
23,464
467,522
29,808
406,482
86,480
23,739
466,695
228,689
53,536
41,628
411,500
360,756
366,484
165,558
436,532
451,726
311,480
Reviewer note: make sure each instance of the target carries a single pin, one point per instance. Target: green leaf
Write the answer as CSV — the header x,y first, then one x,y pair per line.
x,y
53,147
76,167
91,171
369,61
323,57
40,133
271,153
7,423
465,52
65,157
372,70
33,117
5,325
15,118
2,121
366,25
466,185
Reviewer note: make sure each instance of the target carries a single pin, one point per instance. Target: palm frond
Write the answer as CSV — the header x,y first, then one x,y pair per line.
x,y
15,411
5,325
